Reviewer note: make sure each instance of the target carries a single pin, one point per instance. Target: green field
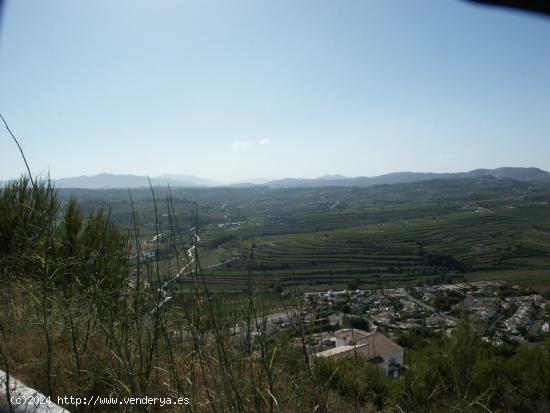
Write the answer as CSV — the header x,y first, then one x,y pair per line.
x,y
314,238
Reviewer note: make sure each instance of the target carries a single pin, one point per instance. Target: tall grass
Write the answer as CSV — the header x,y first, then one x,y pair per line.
x,y
84,313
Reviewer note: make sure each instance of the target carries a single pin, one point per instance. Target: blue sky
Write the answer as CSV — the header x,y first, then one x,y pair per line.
x,y
239,89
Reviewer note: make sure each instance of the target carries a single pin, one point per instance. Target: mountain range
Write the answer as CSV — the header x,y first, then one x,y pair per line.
x,y
105,180
519,174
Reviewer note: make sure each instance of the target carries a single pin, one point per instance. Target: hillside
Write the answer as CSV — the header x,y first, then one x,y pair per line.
x,y
519,174
379,234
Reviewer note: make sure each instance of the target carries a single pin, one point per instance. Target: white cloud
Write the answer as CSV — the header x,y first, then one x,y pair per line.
x,y
240,145
264,141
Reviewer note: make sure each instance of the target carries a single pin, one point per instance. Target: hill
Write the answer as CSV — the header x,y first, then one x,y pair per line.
x,y
105,181
130,181
519,174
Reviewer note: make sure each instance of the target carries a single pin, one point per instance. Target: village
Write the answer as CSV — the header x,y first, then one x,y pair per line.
x,y
370,323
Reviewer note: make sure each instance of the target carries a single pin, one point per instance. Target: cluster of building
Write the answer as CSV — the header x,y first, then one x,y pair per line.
x,y
368,323
504,311
529,315
391,309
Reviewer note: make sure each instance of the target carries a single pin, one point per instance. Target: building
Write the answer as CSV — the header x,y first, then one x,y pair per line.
x,y
375,347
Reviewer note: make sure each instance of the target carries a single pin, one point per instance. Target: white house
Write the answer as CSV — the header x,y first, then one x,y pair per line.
x,y
375,347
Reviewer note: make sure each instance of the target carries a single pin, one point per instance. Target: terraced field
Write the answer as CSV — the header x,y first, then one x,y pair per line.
x,y
401,234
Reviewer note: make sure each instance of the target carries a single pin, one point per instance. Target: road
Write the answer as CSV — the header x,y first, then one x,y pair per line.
x,y
427,306
222,263
163,288
334,205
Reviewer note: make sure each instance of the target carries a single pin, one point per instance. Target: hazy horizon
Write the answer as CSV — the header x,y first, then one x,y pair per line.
x,y
232,92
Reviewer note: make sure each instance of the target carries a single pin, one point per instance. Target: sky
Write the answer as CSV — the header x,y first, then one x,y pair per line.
x,y
244,89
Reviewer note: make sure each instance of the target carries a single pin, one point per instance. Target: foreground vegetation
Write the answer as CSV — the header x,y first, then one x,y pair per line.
x,y
81,313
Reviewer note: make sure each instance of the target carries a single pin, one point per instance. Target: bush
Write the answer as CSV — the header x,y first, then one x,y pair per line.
x,y
355,379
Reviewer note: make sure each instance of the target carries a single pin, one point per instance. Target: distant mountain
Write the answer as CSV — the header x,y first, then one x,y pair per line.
x,y
519,174
333,177
126,181
190,179
248,183
135,181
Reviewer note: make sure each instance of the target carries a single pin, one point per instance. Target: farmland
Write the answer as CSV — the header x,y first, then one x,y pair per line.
x,y
309,238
